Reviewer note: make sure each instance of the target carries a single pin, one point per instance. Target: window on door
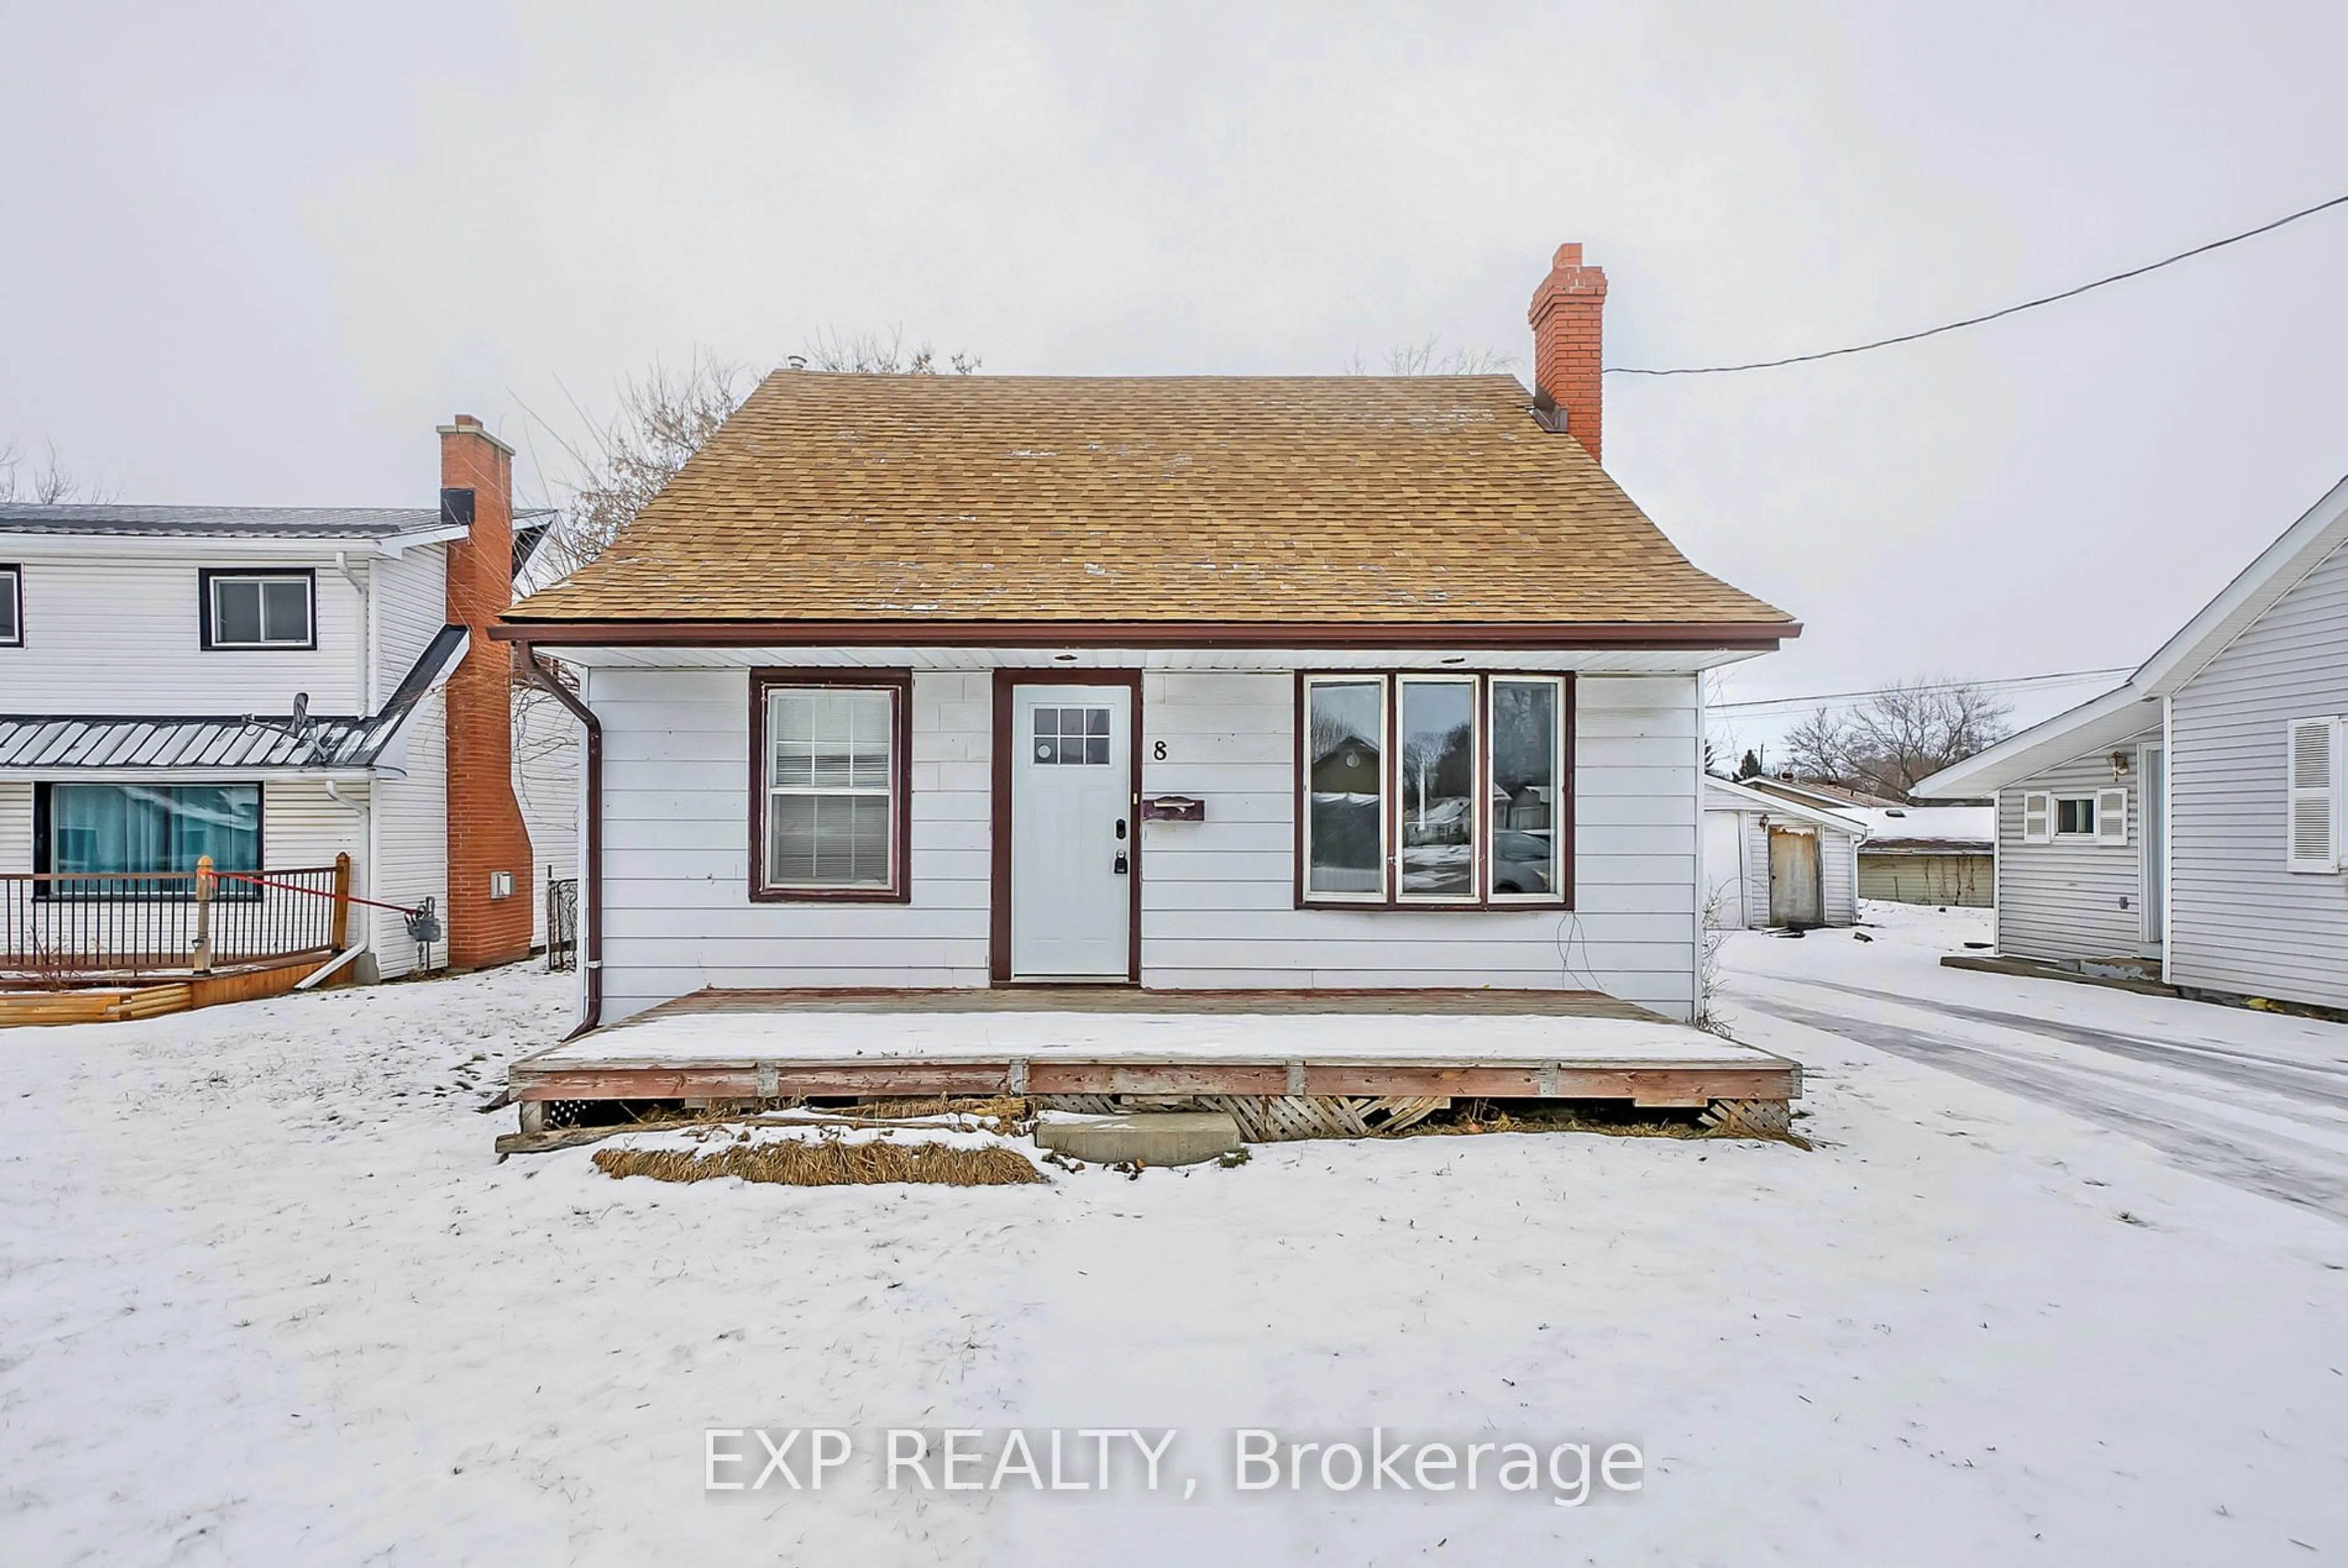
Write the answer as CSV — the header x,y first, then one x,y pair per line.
x,y
832,816
1437,789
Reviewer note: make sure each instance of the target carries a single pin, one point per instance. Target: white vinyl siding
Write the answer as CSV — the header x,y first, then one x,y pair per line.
x,y
77,657
546,760
301,826
2071,895
15,825
1218,896
2240,921
676,909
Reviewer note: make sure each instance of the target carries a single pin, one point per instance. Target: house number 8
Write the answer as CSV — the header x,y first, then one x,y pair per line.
x,y
1158,752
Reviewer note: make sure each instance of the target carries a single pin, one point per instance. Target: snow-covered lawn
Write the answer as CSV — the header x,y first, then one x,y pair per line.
x,y
265,1297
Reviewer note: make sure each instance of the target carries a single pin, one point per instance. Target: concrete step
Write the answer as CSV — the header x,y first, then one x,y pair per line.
x,y
1148,1137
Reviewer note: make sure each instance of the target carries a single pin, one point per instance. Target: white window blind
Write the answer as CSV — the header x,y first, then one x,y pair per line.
x,y
2312,805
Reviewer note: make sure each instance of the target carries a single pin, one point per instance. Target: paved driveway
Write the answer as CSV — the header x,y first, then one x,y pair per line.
x,y
2254,1100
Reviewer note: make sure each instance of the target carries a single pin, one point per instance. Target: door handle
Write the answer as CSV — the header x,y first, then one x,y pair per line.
x,y
1123,866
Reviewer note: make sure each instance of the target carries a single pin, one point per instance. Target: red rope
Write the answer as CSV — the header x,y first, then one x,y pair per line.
x,y
315,892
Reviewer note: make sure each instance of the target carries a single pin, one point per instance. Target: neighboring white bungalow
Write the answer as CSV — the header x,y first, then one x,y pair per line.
x,y
1204,681
1772,861
2198,817
273,688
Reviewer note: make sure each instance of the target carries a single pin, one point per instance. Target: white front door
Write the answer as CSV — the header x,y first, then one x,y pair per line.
x,y
1073,826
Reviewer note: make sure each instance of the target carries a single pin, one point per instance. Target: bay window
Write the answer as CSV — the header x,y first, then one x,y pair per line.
x,y
1434,789
831,813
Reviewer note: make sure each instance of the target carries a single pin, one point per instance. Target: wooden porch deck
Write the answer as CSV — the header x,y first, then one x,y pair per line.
x,y
718,1045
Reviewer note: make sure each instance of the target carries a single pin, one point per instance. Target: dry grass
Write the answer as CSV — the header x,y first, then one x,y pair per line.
x,y
827,1162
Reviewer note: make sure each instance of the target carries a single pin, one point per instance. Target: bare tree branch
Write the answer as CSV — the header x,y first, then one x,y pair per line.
x,y
1428,357
1891,742
45,486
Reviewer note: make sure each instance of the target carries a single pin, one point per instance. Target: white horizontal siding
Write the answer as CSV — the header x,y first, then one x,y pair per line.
x,y
410,605
677,913
2072,898
411,839
15,825
546,778
2238,921
1218,896
302,827
124,637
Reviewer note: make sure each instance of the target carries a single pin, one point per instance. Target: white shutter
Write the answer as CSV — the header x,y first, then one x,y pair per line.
x,y
2313,801
2111,816
2037,817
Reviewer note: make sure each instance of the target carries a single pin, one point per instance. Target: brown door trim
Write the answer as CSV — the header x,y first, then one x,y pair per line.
x,y
998,943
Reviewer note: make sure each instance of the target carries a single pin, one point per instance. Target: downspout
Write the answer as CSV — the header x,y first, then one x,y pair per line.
x,y
363,699
590,879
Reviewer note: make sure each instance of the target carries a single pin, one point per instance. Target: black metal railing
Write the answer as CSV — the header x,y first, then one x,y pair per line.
x,y
562,923
61,926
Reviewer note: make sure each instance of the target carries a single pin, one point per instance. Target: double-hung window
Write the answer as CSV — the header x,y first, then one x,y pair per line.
x,y
274,609
1435,789
831,813
12,607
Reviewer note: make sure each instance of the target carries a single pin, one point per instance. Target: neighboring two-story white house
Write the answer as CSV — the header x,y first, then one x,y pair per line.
x,y
2196,817
274,687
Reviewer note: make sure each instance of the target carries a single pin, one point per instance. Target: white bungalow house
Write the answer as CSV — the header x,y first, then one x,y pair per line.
x,y
274,688
1195,683
1772,860
2192,820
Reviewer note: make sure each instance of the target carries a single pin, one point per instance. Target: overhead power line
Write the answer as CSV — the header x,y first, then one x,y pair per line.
x,y
1993,315
2057,677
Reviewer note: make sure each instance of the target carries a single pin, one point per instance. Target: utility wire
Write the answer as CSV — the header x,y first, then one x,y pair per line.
x,y
1993,315
2057,677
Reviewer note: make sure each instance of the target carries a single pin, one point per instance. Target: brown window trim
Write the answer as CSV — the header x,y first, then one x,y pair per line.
x,y
1563,825
899,683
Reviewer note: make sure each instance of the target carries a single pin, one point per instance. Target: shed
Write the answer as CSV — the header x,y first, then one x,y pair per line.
x,y
1769,861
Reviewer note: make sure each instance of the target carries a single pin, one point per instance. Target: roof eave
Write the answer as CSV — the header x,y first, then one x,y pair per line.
x,y
1744,636
2110,718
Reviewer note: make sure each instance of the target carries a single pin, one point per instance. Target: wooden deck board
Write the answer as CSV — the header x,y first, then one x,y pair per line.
x,y
1426,1002
781,1049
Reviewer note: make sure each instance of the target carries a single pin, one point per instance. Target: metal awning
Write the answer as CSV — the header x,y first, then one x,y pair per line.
x,y
248,743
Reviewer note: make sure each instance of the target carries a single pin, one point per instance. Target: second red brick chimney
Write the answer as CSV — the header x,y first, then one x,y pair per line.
x,y
1567,363
490,892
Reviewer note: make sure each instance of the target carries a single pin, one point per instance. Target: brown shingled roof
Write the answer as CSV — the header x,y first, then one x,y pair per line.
x,y
1379,501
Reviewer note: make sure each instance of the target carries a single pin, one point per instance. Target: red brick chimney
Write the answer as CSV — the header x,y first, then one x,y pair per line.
x,y
489,892
1565,316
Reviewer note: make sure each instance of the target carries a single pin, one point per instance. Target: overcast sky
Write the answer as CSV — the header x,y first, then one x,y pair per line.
x,y
254,256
